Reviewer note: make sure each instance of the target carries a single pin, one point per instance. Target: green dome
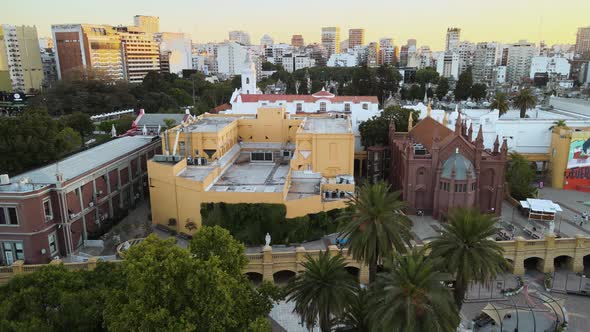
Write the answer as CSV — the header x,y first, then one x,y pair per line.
x,y
460,164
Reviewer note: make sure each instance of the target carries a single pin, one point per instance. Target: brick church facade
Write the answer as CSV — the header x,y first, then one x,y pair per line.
x,y
437,169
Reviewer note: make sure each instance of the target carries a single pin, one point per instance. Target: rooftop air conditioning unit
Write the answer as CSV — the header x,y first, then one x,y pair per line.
x,y
4,179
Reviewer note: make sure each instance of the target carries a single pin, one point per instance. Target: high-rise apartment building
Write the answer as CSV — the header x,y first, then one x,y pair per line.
x,y
453,37
20,59
356,37
331,40
484,63
373,54
412,45
175,51
231,58
83,47
149,24
48,63
583,42
387,52
239,36
297,41
466,52
447,65
141,53
518,65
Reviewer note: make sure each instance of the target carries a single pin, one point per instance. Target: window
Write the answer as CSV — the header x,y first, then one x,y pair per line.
x,y
299,107
247,80
8,216
365,106
322,107
346,107
261,156
473,186
52,244
11,252
47,209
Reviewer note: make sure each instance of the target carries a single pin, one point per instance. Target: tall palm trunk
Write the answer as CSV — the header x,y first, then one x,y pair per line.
x,y
325,323
459,292
522,112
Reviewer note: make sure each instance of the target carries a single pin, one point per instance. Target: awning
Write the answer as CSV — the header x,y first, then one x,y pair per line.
x,y
495,313
540,205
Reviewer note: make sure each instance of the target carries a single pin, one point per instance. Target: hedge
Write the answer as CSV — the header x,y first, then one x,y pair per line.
x,y
249,223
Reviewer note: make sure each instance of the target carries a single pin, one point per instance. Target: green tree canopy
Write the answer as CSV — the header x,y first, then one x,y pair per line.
x,y
56,299
478,91
375,131
29,141
322,291
68,140
464,85
442,88
375,225
520,177
427,75
410,297
167,289
80,122
211,242
500,103
466,251
524,100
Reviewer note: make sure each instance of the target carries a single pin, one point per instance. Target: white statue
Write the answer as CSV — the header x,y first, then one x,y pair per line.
x,y
267,239
144,130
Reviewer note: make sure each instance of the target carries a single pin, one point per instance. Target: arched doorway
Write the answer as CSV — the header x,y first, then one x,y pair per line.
x,y
254,277
354,271
563,263
283,277
533,265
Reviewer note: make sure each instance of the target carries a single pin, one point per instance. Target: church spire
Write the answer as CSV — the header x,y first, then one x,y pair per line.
x,y
458,124
496,145
410,122
470,131
479,138
428,109
504,148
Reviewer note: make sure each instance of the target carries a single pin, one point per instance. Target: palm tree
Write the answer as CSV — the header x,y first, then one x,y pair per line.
x,y
466,250
375,225
411,296
558,124
523,101
500,103
322,291
355,317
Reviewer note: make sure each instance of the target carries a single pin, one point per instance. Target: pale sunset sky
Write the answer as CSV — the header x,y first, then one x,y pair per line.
x,y
425,20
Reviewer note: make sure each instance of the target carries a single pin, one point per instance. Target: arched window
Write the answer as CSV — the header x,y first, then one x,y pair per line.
x,y
247,80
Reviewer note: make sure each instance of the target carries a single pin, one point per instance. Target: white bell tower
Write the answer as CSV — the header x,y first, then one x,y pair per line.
x,y
249,76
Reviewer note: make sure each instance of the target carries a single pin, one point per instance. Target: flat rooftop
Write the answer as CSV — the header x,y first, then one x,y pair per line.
x,y
210,124
326,126
77,164
253,177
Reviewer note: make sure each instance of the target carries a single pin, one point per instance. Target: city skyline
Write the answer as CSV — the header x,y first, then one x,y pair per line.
x,y
426,21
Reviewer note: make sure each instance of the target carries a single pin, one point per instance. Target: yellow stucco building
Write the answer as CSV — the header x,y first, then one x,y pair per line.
x,y
304,162
569,157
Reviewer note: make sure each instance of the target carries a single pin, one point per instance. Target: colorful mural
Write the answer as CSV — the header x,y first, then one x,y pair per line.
x,y
577,173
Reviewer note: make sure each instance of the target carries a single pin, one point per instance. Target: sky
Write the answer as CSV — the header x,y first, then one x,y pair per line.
x,y
555,22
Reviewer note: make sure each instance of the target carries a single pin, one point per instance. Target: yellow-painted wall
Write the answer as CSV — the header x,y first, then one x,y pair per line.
x,y
175,195
558,155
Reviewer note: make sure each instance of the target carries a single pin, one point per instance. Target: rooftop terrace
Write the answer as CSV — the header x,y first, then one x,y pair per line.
x,y
314,125
210,124
253,177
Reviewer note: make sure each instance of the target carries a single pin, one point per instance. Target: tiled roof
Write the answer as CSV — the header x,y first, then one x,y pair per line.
x,y
306,98
426,129
222,107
